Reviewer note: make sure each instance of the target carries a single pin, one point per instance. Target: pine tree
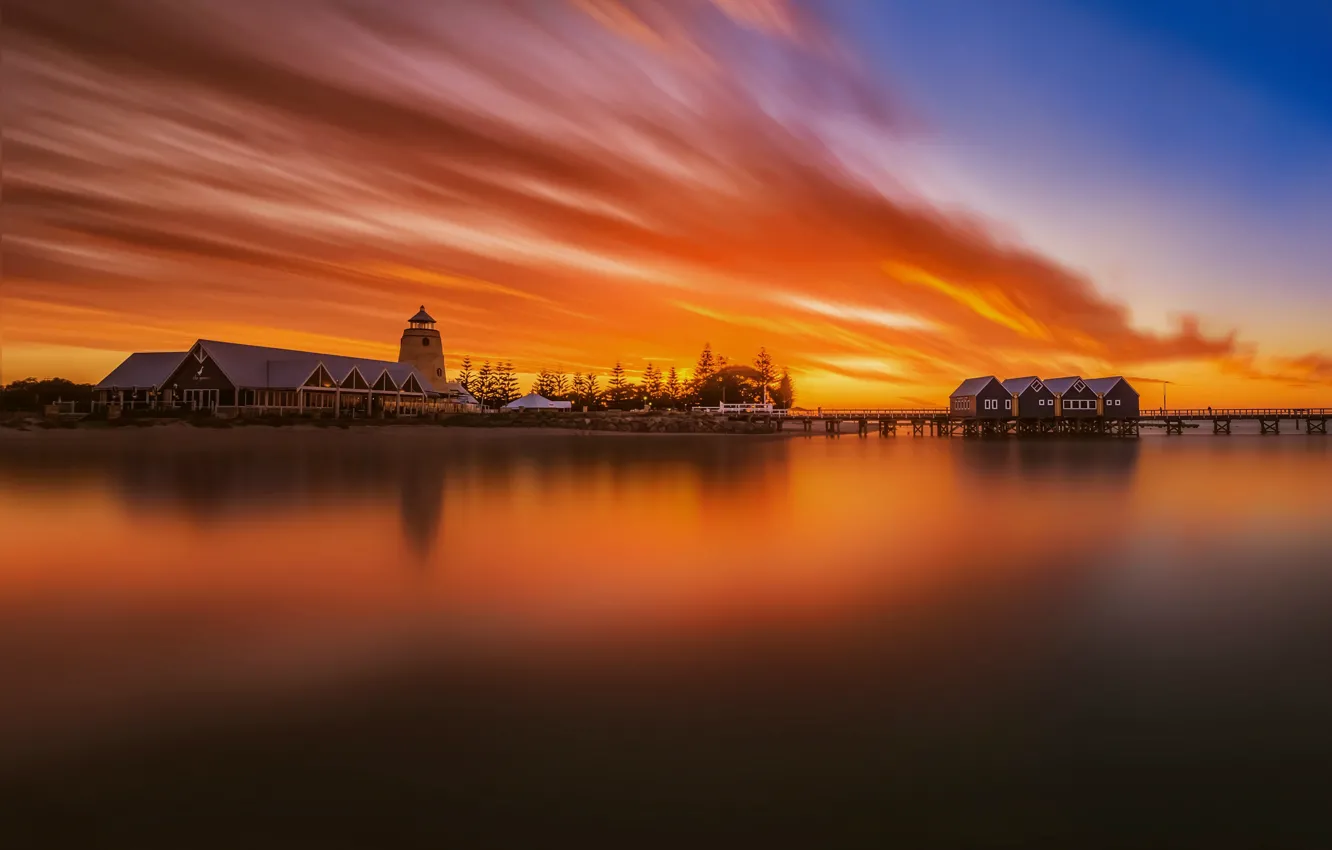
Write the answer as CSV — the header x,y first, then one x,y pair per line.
x,y
784,395
506,385
465,377
706,366
652,386
544,385
702,384
485,385
560,387
767,374
619,392
672,389
586,392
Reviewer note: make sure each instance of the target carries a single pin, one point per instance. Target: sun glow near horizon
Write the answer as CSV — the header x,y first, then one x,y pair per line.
x,y
653,177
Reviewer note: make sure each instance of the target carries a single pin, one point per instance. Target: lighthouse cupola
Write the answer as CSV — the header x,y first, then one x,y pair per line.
x,y
421,346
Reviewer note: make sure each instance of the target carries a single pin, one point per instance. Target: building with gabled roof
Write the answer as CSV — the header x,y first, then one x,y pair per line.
x,y
1118,398
1073,398
134,383
981,398
143,370
1032,399
215,374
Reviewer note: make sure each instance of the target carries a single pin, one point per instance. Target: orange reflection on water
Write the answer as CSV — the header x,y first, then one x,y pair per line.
x,y
206,563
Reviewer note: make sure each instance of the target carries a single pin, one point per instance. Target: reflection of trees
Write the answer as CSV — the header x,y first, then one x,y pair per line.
x,y
225,476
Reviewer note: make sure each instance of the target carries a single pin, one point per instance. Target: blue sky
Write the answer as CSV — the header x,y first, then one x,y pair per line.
x,y
1180,152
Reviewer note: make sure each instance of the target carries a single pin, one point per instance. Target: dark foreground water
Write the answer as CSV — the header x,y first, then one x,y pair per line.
x,y
428,637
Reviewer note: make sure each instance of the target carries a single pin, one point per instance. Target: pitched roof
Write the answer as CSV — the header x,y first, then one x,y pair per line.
x,y
1105,385
284,368
972,386
143,369
400,372
1019,385
460,394
290,373
1059,386
422,316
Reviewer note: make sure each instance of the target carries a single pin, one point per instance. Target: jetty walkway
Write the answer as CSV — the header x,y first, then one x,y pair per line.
x,y
939,422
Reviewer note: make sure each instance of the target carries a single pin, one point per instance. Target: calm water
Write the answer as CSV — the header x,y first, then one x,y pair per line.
x,y
357,638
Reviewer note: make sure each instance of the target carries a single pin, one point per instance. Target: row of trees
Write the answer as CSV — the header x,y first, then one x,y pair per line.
x,y
493,386
31,394
713,380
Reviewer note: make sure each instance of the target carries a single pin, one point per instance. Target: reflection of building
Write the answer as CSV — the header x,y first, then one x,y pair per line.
x,y
421,504
216,375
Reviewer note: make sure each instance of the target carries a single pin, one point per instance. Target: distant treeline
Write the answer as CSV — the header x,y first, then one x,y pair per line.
x,y
714,379
31,394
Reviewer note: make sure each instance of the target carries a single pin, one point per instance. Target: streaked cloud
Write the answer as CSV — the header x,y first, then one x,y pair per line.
x,y
858,313
989,302
562,184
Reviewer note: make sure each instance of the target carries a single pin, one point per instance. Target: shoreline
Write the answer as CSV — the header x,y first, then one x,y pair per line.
x,y
38,431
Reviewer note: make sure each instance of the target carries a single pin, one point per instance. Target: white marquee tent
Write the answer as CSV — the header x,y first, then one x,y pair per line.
x,y
532,401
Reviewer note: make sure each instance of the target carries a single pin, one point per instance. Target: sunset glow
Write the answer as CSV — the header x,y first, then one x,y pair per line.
x,y
568,184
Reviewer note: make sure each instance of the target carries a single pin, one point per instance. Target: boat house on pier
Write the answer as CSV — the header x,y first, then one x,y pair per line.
x,y
981,398
1032,399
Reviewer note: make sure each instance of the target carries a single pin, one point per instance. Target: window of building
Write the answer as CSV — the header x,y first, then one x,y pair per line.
x,y
1008,404
425,340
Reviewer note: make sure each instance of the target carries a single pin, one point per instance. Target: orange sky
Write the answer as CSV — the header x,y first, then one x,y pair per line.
x,y
562,185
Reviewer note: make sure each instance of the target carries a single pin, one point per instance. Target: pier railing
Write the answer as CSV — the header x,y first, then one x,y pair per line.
x,y
1233,412
824,412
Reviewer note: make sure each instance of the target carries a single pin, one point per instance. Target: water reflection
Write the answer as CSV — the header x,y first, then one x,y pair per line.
x,y
971,641
1106,462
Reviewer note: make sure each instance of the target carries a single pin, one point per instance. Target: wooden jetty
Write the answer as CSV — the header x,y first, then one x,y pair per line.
x,y
939,422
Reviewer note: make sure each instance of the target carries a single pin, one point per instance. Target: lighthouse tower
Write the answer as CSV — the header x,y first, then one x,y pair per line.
x,y
421,347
